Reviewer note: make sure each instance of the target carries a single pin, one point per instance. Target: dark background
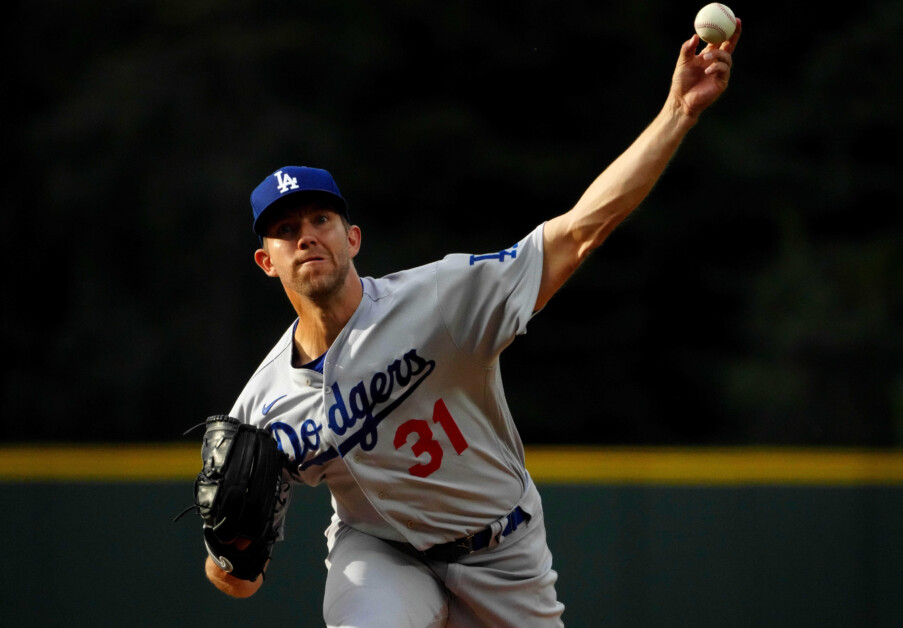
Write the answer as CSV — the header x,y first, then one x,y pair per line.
x,y
755,298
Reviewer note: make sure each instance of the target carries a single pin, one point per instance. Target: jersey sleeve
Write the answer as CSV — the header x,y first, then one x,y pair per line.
x,y
486,300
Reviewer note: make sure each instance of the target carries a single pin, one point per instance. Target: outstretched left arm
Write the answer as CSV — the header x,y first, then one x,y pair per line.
x,y
698,81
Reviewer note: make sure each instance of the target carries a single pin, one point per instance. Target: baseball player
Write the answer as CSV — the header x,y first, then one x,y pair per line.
x,y
389,390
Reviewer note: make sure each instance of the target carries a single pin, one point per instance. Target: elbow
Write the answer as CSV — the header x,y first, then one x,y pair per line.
x,y
586,239
584,247
583,253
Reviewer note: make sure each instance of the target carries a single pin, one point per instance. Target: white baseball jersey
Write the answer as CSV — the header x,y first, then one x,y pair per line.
x,y
407,423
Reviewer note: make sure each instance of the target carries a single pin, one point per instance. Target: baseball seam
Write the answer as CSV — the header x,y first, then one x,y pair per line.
x,y
725,10
712,25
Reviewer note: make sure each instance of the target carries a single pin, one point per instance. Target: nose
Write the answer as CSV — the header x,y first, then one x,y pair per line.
x,y
306,235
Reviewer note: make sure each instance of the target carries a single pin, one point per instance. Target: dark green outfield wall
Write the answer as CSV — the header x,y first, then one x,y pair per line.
x,y
109,555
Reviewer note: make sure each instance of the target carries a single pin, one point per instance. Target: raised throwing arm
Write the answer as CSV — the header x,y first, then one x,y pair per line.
x,y
698,81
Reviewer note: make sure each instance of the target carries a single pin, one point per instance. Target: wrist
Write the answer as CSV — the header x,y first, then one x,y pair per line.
x,y
679,114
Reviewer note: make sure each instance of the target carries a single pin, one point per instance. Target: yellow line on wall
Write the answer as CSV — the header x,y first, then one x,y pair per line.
x,y
722,466
101,463
547,465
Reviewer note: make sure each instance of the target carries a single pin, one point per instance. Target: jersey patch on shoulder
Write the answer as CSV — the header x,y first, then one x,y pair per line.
x,y
500,256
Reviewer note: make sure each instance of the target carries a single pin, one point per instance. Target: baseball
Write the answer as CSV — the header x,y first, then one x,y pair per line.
x,y
715,23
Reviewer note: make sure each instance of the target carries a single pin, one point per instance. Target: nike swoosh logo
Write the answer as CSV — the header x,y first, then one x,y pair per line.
x,y
269,406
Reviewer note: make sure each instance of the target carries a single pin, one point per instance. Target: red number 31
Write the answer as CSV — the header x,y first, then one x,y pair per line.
x,y
426,443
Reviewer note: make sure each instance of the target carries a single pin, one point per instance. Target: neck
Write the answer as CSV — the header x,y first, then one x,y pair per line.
x,y
320,321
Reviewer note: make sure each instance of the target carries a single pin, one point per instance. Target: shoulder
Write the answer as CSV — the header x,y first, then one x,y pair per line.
x,y
282,348
398,282
265,376
509,264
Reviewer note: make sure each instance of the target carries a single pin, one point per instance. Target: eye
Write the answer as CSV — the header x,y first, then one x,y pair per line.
x,y
283,228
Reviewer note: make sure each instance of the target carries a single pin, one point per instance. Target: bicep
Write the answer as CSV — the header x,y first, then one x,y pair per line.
x,y
562,255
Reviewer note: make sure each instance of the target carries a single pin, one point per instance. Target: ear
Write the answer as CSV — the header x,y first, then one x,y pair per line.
x,y
262,259
354,240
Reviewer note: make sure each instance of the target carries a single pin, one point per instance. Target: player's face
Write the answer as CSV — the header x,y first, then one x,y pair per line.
x,y
310,249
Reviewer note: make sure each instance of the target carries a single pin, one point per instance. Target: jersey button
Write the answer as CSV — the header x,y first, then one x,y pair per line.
x,y
358,458
410,523
382,494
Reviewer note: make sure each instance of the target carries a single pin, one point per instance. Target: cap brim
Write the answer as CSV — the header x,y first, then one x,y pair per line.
x,y
297,199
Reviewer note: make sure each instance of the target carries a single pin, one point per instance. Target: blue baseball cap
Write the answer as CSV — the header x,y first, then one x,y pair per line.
x,y
294,182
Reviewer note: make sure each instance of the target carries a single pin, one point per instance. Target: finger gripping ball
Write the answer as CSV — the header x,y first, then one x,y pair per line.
x,y
715,23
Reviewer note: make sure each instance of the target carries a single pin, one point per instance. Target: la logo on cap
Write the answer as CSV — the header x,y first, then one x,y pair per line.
x,y
286,182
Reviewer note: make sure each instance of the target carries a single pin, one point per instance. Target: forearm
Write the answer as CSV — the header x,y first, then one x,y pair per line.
x,y
697,82
231,585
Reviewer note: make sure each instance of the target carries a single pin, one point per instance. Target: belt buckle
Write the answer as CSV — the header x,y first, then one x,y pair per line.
x,y
465,543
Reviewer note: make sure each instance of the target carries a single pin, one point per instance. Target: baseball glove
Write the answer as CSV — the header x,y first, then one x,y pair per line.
x,y
236,494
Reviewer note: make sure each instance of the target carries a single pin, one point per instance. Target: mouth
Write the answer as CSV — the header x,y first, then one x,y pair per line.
x,y
315,259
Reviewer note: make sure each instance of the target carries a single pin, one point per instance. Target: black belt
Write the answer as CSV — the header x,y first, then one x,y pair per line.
x,y
453,550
